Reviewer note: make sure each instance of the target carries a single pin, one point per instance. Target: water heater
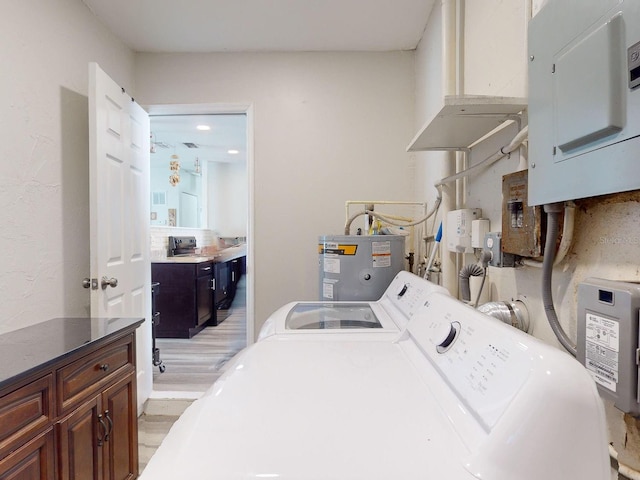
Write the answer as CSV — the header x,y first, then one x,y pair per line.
x,y
584,99
358,267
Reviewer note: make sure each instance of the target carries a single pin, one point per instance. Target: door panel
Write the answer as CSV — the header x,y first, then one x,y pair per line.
x,y
81,442
119,197
123,441
32,461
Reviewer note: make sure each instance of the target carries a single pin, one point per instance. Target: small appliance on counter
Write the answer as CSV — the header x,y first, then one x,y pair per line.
x,y
180,246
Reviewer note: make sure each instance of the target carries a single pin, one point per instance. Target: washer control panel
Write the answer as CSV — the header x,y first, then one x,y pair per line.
x,y
407,293
483,362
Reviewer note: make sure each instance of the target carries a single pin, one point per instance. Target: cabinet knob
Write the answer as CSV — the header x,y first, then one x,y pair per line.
x,y
104,367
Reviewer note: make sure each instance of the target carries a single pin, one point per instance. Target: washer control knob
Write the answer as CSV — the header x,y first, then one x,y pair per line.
x,y
446,335
405,287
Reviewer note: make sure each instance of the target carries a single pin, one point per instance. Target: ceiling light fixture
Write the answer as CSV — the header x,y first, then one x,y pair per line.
x,y
203,128
233,152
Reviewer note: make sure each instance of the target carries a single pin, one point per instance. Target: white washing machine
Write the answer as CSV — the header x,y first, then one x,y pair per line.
x,y
439,392
386,316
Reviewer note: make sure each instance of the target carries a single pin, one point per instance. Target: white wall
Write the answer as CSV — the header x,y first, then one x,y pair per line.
x,y
227,199
45,48
329,127
606,233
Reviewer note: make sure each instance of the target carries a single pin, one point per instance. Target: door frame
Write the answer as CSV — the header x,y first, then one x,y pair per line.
x,y
221,109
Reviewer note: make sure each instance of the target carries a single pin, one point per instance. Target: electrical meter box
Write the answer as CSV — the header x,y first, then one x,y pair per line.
x,y
584,99
608,339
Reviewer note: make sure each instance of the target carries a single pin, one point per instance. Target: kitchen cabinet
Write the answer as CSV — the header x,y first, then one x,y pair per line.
x,y
227,276
223,285
68,408
187,301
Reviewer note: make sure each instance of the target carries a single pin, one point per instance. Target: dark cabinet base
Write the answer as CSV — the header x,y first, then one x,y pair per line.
x,y
194,295
186,303
183,333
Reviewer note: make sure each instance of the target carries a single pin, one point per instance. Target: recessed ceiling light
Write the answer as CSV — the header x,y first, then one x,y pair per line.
x,y
204,128
233,152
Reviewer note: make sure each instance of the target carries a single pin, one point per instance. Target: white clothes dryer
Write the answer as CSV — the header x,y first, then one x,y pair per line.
x,y
441,392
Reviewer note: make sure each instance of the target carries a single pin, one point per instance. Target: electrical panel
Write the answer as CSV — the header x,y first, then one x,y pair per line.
x,y
523,227
459,229
584,99
608,339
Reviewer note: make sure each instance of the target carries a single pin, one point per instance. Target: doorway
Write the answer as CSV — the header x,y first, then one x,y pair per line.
x,y
203,154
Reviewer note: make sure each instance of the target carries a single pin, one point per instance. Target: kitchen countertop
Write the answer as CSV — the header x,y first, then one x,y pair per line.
x,y
222,255
35,346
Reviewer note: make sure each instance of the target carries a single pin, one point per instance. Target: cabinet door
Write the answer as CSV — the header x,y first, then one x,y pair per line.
x,y
81,442
121,445
33,461
223,277
204,298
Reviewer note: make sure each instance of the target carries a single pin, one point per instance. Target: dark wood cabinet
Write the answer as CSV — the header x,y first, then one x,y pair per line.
x,y
223,285
193,292
187,301
228,275
73,417
35,460
95,440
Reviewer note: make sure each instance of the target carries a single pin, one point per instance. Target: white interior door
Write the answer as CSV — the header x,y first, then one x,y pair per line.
x,y
119,193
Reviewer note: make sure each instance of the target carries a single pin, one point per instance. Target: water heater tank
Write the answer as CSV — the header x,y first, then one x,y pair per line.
x,y
357,267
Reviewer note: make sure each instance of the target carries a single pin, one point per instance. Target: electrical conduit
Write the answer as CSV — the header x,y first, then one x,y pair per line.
x,y
553,211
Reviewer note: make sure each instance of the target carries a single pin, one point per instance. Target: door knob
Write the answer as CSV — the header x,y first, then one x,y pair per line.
x,y
106,282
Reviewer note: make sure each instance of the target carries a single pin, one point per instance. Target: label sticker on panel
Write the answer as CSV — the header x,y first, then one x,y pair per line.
x,y
602,350
381,254
333,248
327,290
331,265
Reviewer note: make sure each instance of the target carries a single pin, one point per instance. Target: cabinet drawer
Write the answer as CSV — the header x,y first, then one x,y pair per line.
x,y
25,411
85,376
204,269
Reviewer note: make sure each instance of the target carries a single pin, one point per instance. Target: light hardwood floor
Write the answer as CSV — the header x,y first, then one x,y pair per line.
x,y
192,366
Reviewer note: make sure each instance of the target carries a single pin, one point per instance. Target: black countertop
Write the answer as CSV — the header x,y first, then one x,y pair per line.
x,y
35,346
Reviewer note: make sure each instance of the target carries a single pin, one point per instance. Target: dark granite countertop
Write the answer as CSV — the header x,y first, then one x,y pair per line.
x,y
35,346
